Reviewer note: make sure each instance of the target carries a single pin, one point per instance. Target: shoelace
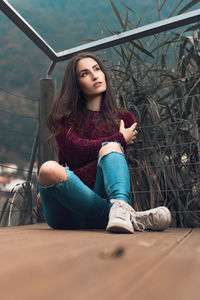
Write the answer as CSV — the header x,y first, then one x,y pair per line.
x,y
121,211
139,226
149,220
136,224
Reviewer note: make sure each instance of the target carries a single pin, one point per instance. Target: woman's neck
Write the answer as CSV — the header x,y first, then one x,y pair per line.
x,y
94,103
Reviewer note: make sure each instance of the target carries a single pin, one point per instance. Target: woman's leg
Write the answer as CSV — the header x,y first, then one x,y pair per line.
x,y
116,179
122,217
55,214
62,189
70,204
115,172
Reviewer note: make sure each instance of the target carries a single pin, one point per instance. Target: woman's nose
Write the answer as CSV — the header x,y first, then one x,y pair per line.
x,y
94,76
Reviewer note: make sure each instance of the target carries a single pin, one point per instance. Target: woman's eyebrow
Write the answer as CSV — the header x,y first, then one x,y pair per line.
x,y
85,70
96,65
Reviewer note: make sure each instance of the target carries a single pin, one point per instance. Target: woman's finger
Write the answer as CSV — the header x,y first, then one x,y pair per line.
x,y
133,126
121,124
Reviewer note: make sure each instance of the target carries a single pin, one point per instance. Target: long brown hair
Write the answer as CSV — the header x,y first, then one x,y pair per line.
x,y
69,105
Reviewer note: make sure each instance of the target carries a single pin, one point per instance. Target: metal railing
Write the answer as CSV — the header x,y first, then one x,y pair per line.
x,y
117,39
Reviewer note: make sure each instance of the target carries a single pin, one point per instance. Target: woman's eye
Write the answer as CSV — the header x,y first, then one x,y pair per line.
x,y
83,74
97,68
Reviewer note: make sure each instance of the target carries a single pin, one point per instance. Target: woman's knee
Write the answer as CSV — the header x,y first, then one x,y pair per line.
x,y
51,172
110,147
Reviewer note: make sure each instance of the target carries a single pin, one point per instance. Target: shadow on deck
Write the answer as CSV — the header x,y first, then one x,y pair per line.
x,y
40,263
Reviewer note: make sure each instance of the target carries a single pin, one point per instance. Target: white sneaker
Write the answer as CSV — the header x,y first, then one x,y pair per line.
x,y
155,219
120,217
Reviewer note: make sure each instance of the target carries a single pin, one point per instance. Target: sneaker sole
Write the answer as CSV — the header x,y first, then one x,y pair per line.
x,y
119,228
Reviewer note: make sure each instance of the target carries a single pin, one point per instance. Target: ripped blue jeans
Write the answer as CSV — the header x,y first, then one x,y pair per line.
x,y
70,204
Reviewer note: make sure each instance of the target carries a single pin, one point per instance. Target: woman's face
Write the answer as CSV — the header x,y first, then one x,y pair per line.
x,y
91,78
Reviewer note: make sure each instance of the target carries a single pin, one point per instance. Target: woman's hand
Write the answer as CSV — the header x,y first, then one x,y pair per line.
x,y
128,133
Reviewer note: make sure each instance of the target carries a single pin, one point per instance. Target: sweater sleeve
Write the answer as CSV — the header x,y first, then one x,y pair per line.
x,y
129,119
76,149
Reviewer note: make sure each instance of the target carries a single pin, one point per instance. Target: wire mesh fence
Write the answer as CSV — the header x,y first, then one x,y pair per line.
x,y
18,122
165,159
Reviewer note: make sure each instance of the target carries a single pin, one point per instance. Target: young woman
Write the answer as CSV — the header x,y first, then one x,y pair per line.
x,y
90,186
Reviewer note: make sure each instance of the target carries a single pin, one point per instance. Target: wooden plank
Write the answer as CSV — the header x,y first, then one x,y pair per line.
x,y
145,251
40,263
178,275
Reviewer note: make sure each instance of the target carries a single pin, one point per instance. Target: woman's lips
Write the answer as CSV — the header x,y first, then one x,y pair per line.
x,y
97,84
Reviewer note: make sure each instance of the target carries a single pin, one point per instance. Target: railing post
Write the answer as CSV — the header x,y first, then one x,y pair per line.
x,y
46,149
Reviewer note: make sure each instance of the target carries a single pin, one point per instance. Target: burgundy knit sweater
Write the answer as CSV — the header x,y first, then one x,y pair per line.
x,y
80,153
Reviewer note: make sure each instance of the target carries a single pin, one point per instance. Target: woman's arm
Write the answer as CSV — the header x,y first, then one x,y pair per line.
x,y
79,151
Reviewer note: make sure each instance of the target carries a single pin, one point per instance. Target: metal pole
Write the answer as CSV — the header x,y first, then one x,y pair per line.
x,y
33,155
21,23
46,149
28,190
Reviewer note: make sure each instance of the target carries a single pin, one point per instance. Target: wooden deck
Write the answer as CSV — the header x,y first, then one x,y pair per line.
x,y
40,263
